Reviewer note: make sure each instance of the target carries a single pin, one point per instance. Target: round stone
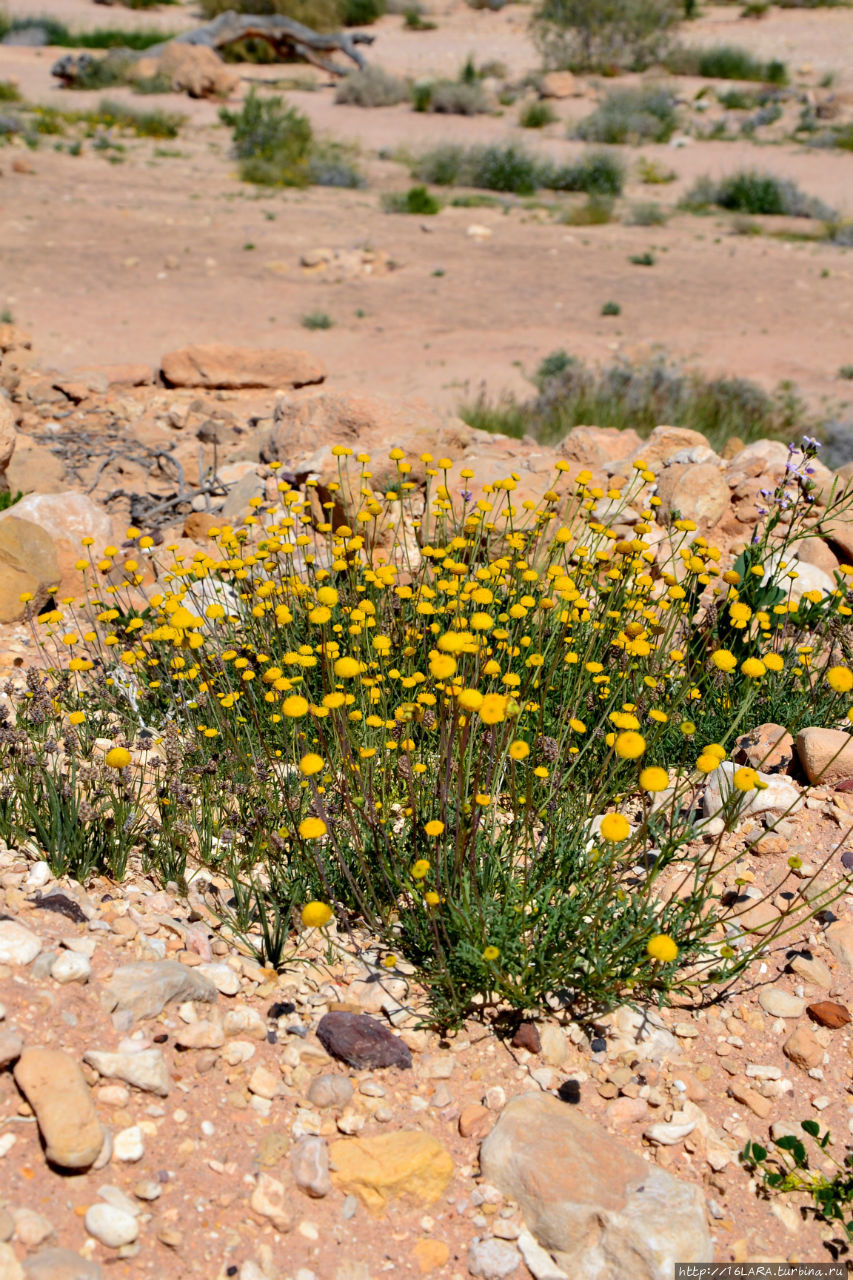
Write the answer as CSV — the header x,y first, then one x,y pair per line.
x,y
112,1227
781,1004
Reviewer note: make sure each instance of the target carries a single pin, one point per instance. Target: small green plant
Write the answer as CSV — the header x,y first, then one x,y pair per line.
x,y
632,116
413,21
594,212
417,200
145,124
371,87
317,320
57,34
7,498
611,309
752,192
788,1170
846,372
456,98
646,259
511,168
9,91
6,316
536,115
653,174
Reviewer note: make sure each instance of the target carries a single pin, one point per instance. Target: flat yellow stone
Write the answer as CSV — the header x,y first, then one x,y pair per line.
x,y
406,1164
429,1254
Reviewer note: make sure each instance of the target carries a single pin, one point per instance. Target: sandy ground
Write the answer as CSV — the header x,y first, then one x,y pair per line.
x,y
105,262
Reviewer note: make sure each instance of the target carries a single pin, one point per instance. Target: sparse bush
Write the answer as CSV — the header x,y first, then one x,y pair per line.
x,y
846,372
508,167
634,116
611,309
456,98
145,124
622,395
646,259
416,200
724,62
9,91
654,174
536,115
749,191
331,164
371,87
273,142
322,15
603,35
317,320
57,33
595,212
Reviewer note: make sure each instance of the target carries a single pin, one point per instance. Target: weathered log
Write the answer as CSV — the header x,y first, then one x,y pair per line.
x,y
287,39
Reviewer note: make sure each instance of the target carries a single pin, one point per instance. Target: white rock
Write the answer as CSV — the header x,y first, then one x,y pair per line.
x,y
778,794
39,875
492,1259
780,1003
128,1145
70,967
222,976
539,1263
112,1227
18,945
669,1135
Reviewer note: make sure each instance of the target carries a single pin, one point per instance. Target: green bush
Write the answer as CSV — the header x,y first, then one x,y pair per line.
x,y
597,211
725,62
416,200
645,213
508,167
361,13
9,91
321,15
749,191
456,98
58,34
611,309
536,115
371,87
145,124
273,142
603,35
633,116
317,320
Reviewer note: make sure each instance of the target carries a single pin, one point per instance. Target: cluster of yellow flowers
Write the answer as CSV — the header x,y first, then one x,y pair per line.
x,y
369,641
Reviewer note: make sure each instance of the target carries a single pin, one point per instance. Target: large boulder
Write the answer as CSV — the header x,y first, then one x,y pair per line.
x,y
666,446
218,365
8,439
196,70
826,755
32,466
601,1211
28,565
66,518
697,492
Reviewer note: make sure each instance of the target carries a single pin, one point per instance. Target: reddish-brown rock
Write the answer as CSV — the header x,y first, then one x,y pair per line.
x,y
828,1013
362,1041
233,368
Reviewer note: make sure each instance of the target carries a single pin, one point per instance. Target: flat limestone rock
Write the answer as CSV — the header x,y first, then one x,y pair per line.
x,y
233,368
56,1089
146,1070
147,986
600,1210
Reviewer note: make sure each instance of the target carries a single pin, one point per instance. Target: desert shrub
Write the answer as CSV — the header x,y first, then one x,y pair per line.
x,y
640,115
474,799
58,34
322,15
371,87
102,72
570,393
273,142
596,172
654,174
332,164
603,35
456,98
611,309
536,115
752,192
145,124
507,167
645,213
594,212
9,91
725,62
646,259
417,200
317,320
